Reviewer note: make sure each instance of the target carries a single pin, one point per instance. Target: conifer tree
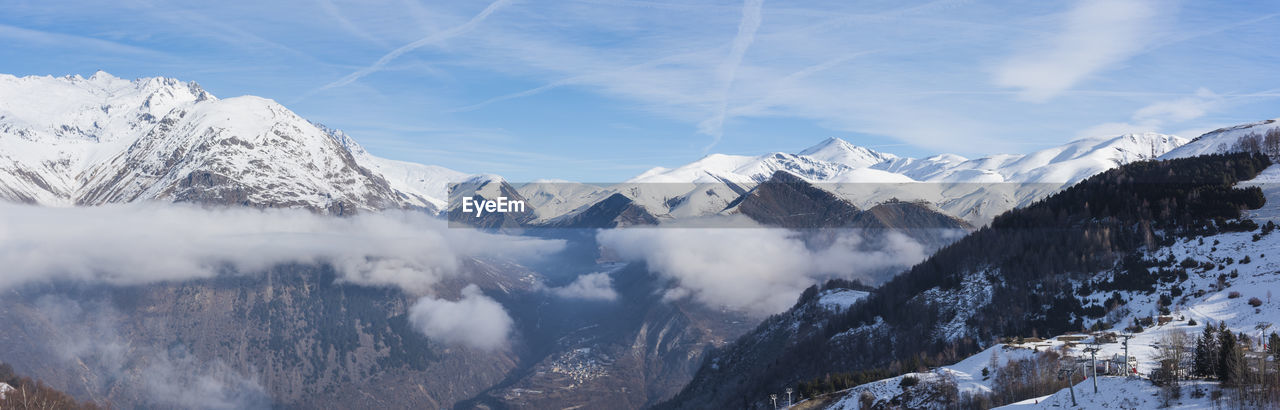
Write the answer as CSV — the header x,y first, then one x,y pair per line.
x,y
1206,356
1228,356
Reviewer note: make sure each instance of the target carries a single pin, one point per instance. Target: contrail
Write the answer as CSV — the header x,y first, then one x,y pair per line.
x,y
525,93
746,35
333,11
432,39
577,79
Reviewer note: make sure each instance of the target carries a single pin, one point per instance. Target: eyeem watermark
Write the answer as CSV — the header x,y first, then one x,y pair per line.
x,y
500,205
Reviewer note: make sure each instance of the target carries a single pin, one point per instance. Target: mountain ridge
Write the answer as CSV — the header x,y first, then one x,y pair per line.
x,y
103,139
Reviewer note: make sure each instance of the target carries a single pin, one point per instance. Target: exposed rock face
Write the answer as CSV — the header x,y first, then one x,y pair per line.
x,y
291,337
296,337
788,201
613,212
632,353
902,215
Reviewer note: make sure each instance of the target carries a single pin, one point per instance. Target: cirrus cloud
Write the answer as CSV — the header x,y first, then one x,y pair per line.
x,y
1093,36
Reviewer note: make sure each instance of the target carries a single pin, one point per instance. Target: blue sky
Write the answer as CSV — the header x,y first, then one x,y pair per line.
x,y
599,90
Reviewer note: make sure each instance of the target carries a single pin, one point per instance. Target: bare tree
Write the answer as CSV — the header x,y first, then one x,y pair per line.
x,y
1175,357
1251,142
1271,142
866,400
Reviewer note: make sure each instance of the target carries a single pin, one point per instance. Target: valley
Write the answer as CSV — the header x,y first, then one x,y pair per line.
x,y
834,271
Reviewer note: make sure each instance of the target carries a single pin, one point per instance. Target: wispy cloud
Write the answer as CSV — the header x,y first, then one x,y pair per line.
x,y
227,33
728,71
435,38
1160,115
47,38
334,12
1092,36
587,78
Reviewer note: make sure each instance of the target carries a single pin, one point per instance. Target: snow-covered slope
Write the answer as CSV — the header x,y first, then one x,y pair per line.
x,y
1124,393
841,299
1223,139
967,374
418,185
1068,163
842,152
1201,302
972,189
552,198
979,189
833,160
1232,280
52,130
87,141
738,168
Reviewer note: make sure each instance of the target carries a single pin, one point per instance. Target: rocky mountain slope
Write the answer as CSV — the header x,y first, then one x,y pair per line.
x,y
1219,280
293,336
632,352
1022,275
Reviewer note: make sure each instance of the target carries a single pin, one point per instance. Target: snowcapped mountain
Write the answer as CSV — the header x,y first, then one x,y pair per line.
x,y
716,168
842,152
1065,164
418,185
1223,140
88,141
552,198
975,190
835,160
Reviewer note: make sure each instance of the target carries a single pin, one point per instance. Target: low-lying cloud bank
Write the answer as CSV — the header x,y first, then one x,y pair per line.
x,y
475,320
135,244
759,271
592,286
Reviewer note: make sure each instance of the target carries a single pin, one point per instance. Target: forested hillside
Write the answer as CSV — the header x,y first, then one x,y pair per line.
x,y
1022,275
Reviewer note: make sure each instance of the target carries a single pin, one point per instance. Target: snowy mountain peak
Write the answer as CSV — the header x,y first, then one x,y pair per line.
x,y
842,152
101,75
1149,145
88,141
956,185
